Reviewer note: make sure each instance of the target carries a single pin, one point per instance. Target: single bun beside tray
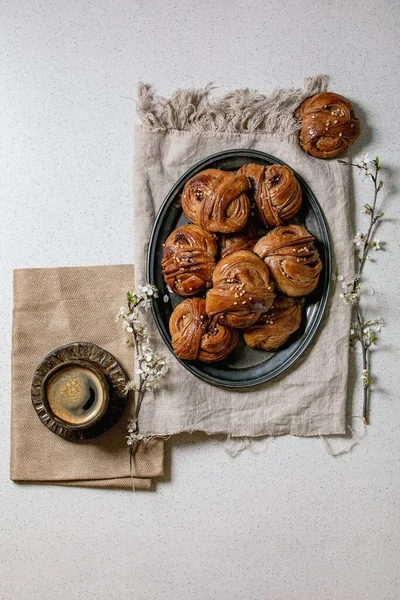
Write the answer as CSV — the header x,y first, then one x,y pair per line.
x,y
240,251
328,125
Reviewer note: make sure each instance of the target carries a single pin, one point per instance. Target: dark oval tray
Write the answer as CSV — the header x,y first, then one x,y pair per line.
x,y
245,367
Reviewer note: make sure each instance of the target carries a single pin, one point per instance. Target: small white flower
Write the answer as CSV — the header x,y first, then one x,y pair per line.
x,y
340,277
376,244
131,385
359,238
366,377
362,160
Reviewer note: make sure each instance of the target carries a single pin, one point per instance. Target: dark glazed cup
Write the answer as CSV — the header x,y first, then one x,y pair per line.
x,y
75,394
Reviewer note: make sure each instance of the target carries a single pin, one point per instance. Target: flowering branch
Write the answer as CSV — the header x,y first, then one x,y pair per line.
x,y
364,332
149,367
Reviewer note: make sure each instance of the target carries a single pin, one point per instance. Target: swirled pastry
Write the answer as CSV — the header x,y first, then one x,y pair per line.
x,y
274,327
292,259
189,258
276,191
328,125
217,201
241,290
217,342
194,335
243,240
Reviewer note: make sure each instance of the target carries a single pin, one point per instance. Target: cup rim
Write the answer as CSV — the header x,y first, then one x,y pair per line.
x,y
97,373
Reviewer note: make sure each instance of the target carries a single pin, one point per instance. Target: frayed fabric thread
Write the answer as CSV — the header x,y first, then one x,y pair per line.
x,y
239,111
334,445
235,446
355,431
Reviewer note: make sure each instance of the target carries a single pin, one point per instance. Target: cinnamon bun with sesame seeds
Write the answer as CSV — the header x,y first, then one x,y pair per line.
x,y
217,201
242,290
276,192
195,335
189,258
292,259
328,125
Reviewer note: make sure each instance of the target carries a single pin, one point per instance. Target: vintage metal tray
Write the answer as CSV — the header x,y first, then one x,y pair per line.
x,y
245,367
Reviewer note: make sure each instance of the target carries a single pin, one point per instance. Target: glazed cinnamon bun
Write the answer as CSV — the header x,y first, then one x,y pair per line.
x,y
189,258
291,256
195,335
217,201
274,327
276,192
243,240
241,290
328,125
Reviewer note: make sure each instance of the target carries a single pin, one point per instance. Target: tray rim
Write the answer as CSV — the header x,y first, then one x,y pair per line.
x,y
322,303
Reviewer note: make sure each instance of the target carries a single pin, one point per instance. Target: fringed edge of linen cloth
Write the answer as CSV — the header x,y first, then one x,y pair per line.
x,y
239,111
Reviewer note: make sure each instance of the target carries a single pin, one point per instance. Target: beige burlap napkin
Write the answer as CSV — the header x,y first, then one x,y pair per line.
x,y
53,307
310,398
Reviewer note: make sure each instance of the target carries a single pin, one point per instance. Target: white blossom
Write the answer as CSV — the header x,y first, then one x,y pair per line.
x,y
359,238
150,367
376,244
362,160
130,386
378,323
366,377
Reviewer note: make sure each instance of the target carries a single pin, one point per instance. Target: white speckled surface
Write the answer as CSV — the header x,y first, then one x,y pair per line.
x,y
290,524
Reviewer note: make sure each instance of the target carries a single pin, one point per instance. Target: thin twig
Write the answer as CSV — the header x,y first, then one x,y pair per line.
x,y
355,285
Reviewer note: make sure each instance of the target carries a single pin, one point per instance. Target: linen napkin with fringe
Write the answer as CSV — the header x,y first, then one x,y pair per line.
x,y
54,307
309,399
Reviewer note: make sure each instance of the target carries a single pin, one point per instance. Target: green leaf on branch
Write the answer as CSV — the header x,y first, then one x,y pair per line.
x,y
376,163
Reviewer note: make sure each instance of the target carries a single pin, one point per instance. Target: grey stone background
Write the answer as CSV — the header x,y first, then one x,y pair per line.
x,y
290,523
